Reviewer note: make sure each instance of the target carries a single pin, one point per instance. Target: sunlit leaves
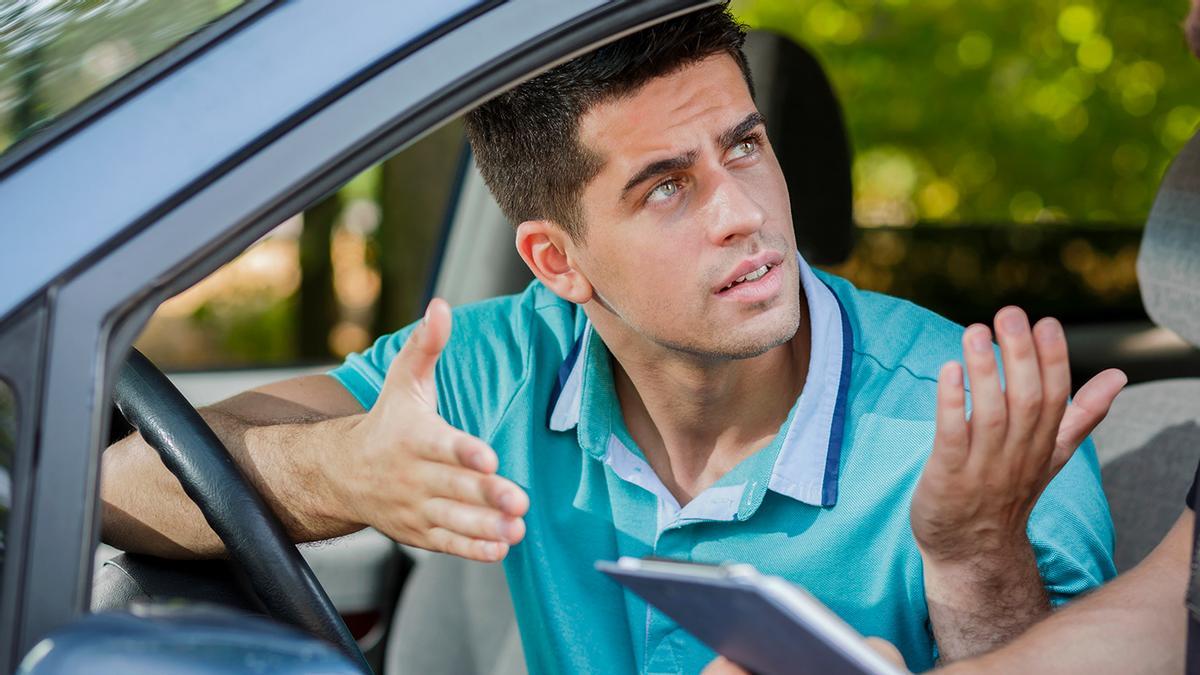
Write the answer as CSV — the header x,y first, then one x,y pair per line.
x,y
974,49
1072,106
1077,23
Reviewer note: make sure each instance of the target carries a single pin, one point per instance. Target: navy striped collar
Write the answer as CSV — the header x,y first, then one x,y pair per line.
x,y
806,468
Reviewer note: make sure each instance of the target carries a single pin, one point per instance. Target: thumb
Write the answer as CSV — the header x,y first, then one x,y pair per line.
x,y
413,367
1087,409
723,666
888,651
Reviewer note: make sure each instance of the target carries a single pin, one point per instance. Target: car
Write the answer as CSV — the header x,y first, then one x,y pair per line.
x,y
175,169
147,187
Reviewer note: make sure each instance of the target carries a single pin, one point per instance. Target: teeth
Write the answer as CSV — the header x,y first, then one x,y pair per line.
x,y
756,274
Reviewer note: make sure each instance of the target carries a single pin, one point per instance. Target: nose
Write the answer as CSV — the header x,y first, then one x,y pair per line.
x,y
734,212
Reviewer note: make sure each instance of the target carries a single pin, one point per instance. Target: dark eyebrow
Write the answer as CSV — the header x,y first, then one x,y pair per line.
x,y
736,133
726,140
662,166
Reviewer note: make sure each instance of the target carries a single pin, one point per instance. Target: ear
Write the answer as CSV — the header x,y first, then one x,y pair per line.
x,y
546,248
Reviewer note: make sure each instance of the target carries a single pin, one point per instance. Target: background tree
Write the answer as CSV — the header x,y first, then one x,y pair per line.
x,y
316,304
412,212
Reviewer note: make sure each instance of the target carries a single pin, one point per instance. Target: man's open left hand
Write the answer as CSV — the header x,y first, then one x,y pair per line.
x,y
985,474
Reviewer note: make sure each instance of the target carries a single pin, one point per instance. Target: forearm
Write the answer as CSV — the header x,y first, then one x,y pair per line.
x,y
1108,634
1135,624
145,509
979,604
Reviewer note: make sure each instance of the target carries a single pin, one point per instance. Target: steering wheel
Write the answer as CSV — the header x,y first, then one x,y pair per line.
x,y
254,538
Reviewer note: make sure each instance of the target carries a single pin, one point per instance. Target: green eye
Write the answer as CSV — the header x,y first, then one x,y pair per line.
x,y
663,192
746,147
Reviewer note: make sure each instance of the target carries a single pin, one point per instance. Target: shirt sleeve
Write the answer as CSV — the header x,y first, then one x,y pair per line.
x,y
483,368
362,373
1071,529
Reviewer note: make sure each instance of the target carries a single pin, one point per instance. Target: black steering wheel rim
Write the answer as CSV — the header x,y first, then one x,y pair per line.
x,y
254,538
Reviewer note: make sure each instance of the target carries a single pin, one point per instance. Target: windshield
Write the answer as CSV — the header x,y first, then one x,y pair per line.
x,y
54,54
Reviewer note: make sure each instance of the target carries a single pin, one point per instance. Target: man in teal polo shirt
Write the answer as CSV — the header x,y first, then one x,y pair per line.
x,y
676,382
824,503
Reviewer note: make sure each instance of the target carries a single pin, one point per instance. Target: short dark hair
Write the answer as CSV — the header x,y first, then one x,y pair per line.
x,y
526,140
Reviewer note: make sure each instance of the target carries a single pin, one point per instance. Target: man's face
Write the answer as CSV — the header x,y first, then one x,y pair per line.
x,y
690,199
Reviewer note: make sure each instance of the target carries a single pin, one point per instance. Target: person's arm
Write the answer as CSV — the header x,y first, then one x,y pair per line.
x,y
327,468
146,510
971,508
1135,624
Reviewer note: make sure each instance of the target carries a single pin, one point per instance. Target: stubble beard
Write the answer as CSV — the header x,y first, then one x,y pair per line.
x,y
718,350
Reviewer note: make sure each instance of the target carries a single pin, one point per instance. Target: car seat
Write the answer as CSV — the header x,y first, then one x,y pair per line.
x,y
1150,442
455,616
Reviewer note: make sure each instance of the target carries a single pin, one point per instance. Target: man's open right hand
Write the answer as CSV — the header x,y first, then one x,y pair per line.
x,y
419,480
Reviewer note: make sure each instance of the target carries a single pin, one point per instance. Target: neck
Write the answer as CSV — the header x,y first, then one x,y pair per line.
x,y
696,419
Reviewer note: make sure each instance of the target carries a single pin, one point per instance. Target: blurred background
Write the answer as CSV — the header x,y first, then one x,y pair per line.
x,y
1004,151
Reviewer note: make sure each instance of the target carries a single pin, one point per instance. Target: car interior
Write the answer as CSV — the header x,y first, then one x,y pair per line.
x,y
1150,438
397,615
412,611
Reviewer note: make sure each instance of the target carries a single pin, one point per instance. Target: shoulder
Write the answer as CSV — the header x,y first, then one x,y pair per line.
x,y
535,317
895,334
493,346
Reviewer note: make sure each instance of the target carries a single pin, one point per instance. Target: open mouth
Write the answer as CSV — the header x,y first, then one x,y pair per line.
x,y
751,276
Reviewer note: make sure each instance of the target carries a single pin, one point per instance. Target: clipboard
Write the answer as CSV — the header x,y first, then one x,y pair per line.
x,y
763,623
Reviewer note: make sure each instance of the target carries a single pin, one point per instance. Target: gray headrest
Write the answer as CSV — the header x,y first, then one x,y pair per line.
x,y
1168,265
804,122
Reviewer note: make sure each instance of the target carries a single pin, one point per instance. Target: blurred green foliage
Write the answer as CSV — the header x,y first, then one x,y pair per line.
x,y
249,329
1003,111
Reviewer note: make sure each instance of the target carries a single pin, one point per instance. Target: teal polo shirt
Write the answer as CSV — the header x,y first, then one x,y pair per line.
x,y
825,505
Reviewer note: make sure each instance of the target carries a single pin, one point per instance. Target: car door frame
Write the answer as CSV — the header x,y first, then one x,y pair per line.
x,y
83,321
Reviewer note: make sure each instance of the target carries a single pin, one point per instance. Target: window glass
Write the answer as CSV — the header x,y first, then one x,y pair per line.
x,y
8,442
56,53
326,281
1004,151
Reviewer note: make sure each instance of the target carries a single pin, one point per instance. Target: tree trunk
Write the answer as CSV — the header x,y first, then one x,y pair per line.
x,y
316,306
414,192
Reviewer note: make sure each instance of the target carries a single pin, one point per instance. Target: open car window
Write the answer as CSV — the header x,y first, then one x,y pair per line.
x,y
323,283
55,55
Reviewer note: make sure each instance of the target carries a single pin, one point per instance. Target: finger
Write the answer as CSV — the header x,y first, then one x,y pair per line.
x,y
1056,380
472,487
1091,404
888,651
441,539
445,444
988,415
1022,380
950,441
723,666
476,522
413,366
